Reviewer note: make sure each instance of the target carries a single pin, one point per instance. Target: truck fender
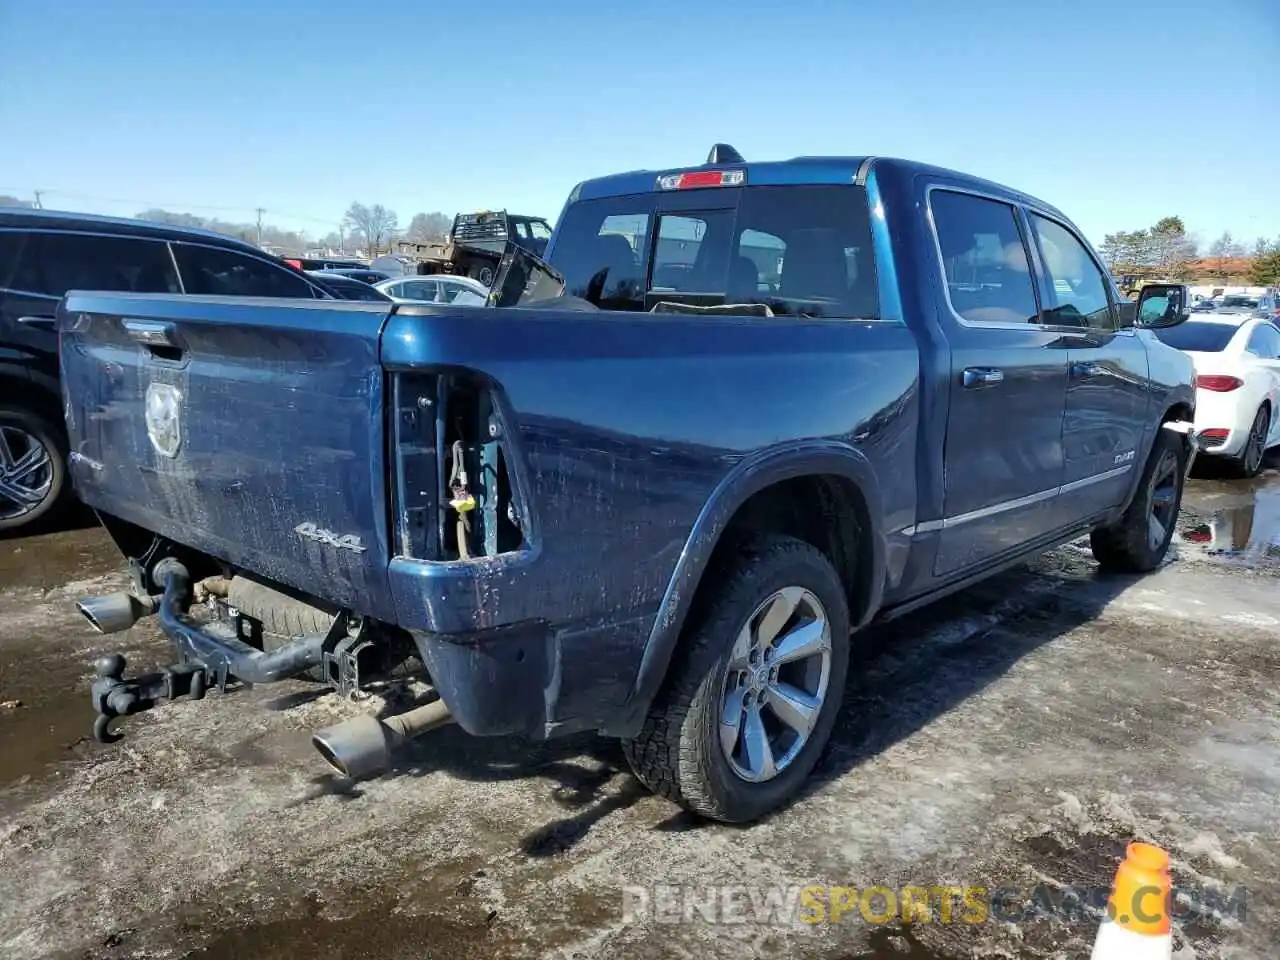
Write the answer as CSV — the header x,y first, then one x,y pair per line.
x,y
749,476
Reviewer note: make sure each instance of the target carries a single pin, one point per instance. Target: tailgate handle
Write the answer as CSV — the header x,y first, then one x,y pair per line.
x,y
153,333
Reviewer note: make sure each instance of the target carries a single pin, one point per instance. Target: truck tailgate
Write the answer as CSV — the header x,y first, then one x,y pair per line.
x,y
241,427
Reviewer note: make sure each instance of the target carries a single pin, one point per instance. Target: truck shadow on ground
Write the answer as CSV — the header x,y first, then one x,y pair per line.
x,y
904,674
76,516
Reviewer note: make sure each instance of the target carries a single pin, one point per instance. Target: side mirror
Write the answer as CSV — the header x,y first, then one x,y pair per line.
x,y
1162,305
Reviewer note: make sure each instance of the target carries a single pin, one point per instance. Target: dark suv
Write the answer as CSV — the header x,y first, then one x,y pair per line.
x,y
43,254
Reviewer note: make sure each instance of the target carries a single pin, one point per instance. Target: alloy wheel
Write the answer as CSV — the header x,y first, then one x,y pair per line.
x,y
1256,447
775,684
26,472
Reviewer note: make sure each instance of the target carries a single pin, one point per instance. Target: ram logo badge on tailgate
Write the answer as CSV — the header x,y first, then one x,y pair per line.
x,y
347,541
164,418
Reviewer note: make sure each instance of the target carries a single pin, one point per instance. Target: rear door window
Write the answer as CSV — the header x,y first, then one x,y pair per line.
x,y
984,258
221,272
54,263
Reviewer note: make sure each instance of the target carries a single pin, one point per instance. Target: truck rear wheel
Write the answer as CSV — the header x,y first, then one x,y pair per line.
x,y
33,468
753,691
1139,540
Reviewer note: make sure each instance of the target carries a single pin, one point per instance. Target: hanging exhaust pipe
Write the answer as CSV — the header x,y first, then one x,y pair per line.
x,y
114,612
363,745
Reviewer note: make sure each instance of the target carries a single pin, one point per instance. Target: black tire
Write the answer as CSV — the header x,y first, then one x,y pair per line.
x,y
282,617
482,273
1127,546
1254,455
678,754
24,426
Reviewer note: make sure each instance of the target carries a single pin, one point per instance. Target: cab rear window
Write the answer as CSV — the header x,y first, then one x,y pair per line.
x,y
801,250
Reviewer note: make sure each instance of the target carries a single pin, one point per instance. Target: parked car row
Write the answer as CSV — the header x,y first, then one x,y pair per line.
x,y
43,254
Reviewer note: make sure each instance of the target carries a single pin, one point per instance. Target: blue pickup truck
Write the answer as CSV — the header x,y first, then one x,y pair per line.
x,y
768,404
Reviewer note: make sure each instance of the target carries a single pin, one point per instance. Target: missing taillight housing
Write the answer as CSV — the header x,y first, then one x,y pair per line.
x,y
1218,383
455,499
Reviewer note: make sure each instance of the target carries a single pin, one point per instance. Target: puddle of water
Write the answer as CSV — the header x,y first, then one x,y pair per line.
x,y
1237,522
52,559
53,720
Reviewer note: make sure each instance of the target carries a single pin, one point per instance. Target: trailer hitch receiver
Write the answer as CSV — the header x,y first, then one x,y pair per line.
x,y
114,696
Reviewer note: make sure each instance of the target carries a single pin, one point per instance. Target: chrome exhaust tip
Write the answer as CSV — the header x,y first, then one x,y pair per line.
x,y
362,745
354,748
114,612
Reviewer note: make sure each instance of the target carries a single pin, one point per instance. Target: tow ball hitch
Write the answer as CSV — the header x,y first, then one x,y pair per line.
x,y
113,696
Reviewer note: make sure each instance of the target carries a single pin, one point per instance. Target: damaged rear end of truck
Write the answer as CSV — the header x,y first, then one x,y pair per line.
x,y
264,474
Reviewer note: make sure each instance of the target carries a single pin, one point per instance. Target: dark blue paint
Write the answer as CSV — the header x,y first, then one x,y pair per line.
x,y
634,439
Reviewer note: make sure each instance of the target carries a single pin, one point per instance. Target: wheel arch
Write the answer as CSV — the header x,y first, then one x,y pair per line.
x,y
772,487
26,375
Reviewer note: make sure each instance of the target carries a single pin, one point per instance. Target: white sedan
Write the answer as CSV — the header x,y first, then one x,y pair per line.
x,y
435,288
1237,361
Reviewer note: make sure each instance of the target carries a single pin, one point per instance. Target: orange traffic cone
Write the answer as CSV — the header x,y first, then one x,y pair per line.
x,y
1137,925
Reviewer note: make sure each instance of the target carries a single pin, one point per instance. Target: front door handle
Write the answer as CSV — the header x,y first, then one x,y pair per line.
x,y
975,377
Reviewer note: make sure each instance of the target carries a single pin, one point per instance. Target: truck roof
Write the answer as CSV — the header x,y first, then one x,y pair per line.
x,y
799,171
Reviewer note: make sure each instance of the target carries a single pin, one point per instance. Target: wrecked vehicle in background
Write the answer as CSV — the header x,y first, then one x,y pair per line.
x,y
475,245
744,410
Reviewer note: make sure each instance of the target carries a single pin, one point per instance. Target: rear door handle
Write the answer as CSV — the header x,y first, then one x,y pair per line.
x,y
975,377
45,323
1086,368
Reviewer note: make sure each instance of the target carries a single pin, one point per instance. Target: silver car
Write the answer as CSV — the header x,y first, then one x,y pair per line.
x,y
437,288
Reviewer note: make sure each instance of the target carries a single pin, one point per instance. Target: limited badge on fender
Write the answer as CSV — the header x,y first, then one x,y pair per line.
x,y
164,418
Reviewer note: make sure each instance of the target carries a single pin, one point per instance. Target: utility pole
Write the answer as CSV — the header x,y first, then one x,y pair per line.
x,y
342,241
39,205
260,213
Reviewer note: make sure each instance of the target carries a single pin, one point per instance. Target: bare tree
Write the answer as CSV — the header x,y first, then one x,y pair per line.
x,y
428,226
376,225
1171,249
1224,254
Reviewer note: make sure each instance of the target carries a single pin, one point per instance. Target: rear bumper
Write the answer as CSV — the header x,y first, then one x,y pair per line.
x,y
536,681
1221,411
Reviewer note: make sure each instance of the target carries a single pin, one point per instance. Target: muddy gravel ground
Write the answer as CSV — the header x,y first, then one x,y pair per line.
x,y
1014,736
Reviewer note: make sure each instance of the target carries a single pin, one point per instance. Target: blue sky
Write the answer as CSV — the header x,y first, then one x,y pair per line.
x,y
1117,112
